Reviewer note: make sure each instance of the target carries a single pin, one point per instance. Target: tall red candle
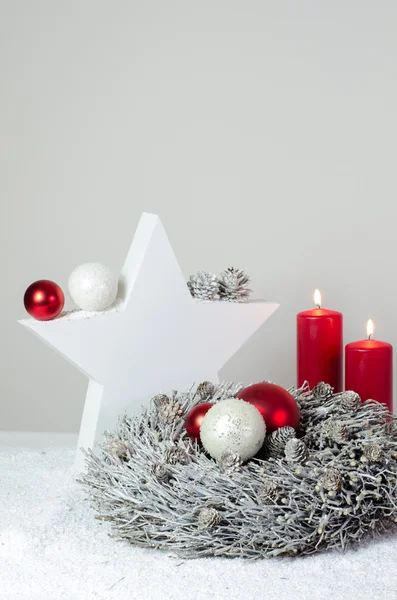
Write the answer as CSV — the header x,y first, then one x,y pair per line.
x,y
320,346
369,369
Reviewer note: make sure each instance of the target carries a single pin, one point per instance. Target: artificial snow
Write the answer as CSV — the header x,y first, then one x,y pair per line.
x,y
78,313
51,547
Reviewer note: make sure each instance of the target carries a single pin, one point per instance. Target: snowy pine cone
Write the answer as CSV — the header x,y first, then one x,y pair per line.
x,y
323,391
268,492
160,399
233,285
373,452
295,451
390,428
205,390
349,401
337,431
161,473
275,442
175,454
208,518
331,480
204,286
230,462
171,411
118,449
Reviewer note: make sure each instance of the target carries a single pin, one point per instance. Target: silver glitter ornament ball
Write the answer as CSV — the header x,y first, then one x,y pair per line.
x,y
92,286
233,425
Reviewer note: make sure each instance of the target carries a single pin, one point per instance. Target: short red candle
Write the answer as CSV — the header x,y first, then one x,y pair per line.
x,y
320,347
369,370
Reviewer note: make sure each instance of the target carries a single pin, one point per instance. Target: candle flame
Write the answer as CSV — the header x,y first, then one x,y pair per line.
x,y
317,298
370,329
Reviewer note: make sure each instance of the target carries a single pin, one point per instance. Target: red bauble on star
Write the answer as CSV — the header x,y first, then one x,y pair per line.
x,y
44,300
276,405
194,419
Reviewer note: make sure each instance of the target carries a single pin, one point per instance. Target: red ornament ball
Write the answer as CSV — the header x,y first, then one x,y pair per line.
x,y
276,405
44,300
195,418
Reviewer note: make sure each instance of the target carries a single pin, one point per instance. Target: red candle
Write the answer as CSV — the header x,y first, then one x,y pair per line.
x,y
369,369
320,346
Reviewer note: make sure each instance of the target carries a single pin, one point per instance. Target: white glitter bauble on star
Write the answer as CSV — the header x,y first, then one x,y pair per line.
x,y
92,286
233,425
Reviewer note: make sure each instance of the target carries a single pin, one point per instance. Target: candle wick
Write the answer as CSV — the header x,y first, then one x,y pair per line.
x,y
318,305
370,335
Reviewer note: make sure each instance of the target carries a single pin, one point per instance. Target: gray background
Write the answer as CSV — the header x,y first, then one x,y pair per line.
x,y
262,132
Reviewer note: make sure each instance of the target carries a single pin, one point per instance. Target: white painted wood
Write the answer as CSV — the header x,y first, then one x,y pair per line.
x,y
155,338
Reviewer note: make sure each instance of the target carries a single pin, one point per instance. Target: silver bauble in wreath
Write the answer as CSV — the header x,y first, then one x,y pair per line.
x,y
233,425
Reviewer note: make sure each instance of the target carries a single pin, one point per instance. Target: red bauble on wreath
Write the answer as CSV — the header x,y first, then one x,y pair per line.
x,y
44,300
195,418
276,405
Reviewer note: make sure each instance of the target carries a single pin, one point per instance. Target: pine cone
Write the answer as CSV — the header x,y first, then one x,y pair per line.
x,y
118,449
323,391
295,451
160,399
161,473
233,285
331,480
268,492
275,442
373,452
205,390
208,518
204,286
175,454
390,428
171,411
337,431
349,401
230,462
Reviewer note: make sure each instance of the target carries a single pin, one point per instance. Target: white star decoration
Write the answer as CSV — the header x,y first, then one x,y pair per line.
x,y
154,339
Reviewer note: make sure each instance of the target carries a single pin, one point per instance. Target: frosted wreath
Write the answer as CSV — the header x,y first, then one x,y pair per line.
x,y
326,487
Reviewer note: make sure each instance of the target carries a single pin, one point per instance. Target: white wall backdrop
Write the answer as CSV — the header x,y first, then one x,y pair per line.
x,y
262,132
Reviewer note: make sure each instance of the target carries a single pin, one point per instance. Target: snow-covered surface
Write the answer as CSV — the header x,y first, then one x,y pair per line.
x,y
77,313
51,547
